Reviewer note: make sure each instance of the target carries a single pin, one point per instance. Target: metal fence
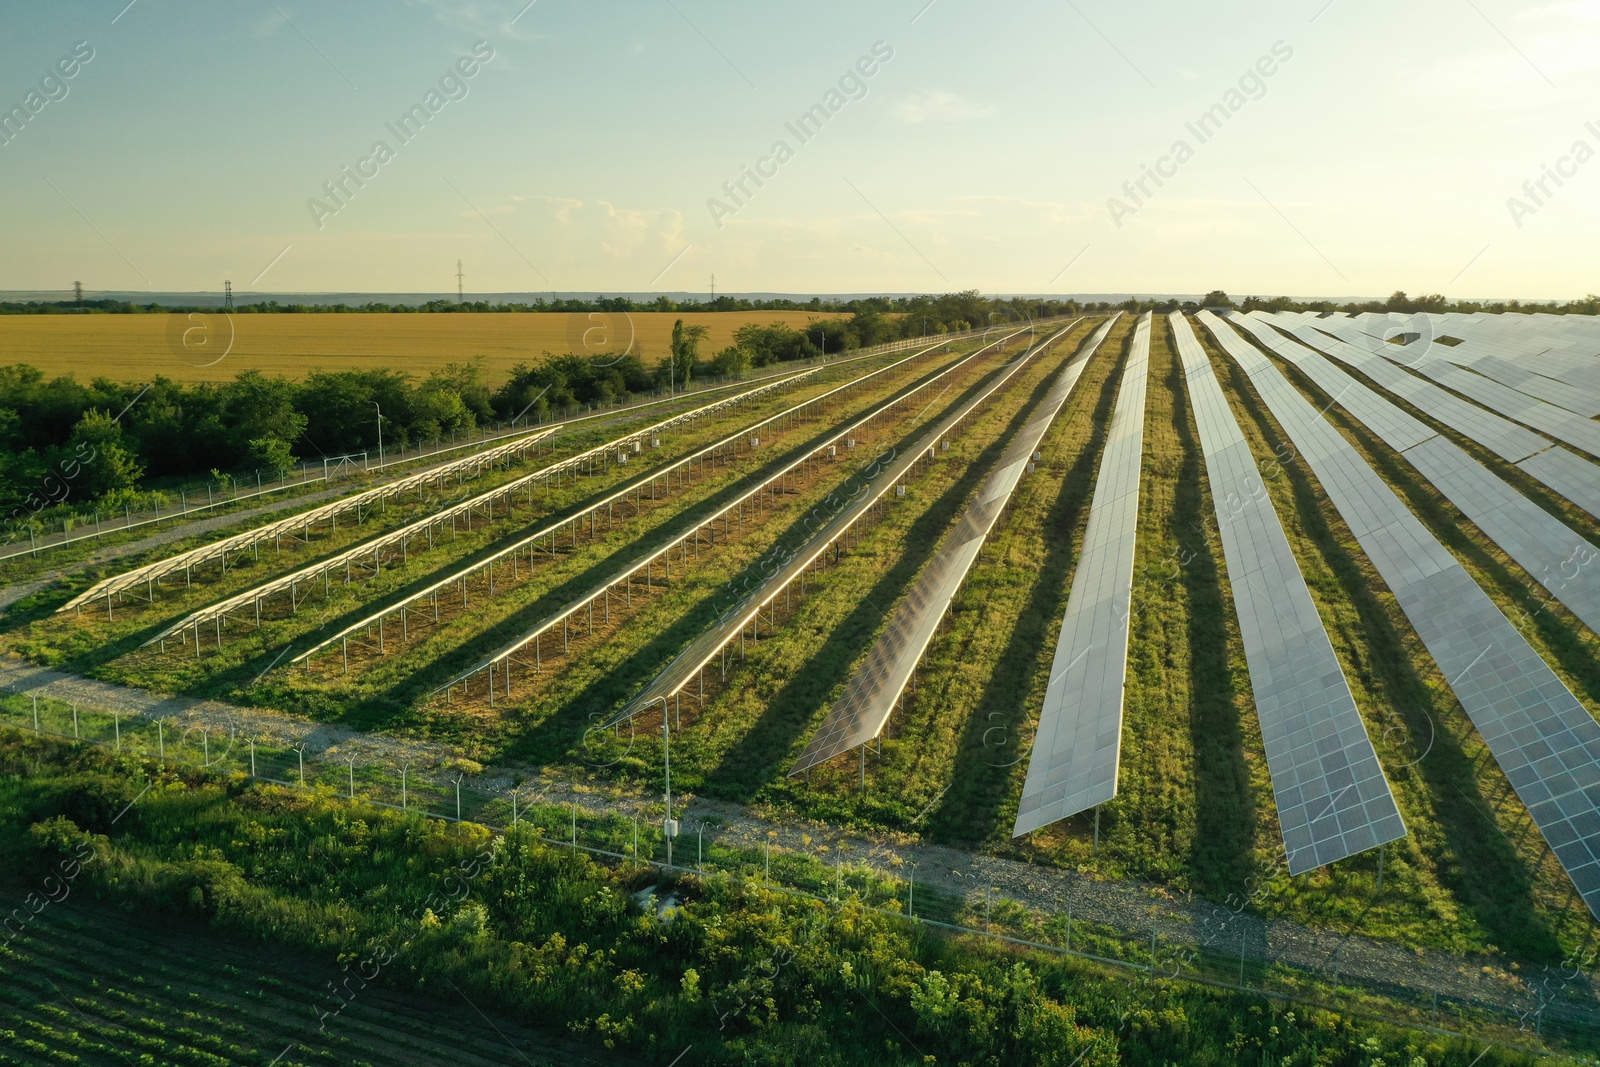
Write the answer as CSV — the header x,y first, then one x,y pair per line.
x,y
1554,1009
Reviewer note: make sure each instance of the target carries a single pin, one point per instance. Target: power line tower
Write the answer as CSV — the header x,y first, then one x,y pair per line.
x,y
77,292
227,295
459,276
713,288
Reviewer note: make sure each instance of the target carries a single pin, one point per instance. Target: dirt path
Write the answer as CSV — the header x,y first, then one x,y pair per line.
x,y
1126,904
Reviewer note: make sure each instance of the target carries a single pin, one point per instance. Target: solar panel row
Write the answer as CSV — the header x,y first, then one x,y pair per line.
x,y
874,688
1078,745
1333,800
1541,736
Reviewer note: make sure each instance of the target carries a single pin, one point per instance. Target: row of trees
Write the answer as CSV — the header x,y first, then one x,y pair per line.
x,y
106,440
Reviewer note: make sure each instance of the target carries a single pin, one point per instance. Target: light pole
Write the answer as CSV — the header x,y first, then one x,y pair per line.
x,y
380,434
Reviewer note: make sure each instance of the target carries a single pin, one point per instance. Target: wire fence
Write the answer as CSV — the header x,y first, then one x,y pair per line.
x,y
1556,1008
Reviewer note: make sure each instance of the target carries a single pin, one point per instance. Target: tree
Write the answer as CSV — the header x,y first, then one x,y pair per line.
x,y
731,362
685,347
271,453
251,408
97,460
1216,298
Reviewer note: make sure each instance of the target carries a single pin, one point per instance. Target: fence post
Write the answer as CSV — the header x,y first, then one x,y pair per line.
x,y
35,713
75,735
116,719
161,739
252,757
574,824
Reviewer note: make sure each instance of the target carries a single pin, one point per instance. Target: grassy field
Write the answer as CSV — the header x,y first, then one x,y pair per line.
x,y
136,347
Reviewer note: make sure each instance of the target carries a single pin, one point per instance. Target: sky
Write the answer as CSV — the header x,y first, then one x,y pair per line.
x,y
1354,147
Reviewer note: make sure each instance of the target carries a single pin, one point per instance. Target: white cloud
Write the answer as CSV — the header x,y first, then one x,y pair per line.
x,y
937,105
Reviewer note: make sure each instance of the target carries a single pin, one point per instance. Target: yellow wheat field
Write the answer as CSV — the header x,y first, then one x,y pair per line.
x,y
215,348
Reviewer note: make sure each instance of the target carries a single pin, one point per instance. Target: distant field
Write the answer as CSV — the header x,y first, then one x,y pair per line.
x,y
139,347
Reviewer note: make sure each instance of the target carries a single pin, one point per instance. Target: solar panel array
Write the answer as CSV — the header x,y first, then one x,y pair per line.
x,y
1559,423
272,531
324,569
1077,748
874,688
1539,542
1541,736
1572,476
528,544
503,658
1333,800
1500,435
704,648
1534,358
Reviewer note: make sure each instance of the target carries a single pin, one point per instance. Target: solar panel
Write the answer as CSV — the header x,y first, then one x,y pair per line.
x,y
1539,542
1078,746
1333,800
1568,474
873,689
1541,736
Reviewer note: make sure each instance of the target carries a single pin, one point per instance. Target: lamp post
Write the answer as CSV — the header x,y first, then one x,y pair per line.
x,y
380,434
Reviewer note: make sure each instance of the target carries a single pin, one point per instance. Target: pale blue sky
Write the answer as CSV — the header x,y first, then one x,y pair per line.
x,y
1380,155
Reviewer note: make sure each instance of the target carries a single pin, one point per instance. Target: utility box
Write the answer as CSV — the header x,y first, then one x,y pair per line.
x,y
755,442
622,458
655,442
849,442
899,490
669,827
638,446
833,450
